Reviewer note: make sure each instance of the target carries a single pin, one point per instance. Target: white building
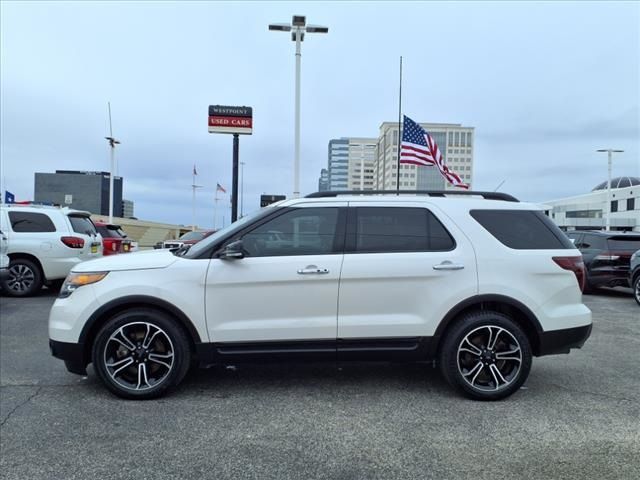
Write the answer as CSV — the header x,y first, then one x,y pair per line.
x,y
588,211
362,160
455,143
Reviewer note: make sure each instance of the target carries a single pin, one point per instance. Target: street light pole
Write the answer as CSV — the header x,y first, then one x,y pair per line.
x,y
610,152
241,187
298,28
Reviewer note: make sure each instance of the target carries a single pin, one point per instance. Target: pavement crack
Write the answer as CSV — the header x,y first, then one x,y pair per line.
x,y
597,394
24,402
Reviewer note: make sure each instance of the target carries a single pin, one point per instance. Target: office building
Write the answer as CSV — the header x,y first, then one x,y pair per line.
x,y
361,163
338,164
79,190
127,209
588,211
323,181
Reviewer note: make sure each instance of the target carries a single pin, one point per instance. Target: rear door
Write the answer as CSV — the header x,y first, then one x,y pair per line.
x,y
404,267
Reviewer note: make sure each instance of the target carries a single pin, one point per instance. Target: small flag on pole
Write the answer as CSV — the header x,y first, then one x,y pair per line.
x,y
9,197
419,148
220,188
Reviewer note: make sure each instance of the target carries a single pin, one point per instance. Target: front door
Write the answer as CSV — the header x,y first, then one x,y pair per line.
x,y
283,294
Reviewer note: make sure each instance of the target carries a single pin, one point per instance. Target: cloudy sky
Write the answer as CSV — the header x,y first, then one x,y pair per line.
x,y
544,84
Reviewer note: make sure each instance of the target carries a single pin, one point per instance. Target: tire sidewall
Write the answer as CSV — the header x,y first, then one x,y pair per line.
x,y
181,351
449,353
37,278
636,286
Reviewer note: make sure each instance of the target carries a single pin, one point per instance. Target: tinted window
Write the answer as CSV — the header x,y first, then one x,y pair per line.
x,y
303,231
192,236
593,242
396,229
81,224
522,229
626,244
110,232
30,222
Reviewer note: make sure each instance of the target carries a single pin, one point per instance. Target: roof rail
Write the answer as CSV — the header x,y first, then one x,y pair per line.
x,y
431,193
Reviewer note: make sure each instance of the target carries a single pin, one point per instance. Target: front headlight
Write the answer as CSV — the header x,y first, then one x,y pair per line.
x,y
77,280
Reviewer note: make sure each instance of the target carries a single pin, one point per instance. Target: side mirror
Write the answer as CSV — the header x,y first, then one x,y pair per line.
x,y
232,251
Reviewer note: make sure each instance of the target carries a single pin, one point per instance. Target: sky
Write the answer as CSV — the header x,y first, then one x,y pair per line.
x,y
544,84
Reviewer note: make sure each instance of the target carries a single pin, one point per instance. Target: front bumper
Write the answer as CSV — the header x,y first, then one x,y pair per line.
x,y
73,355
561,341
4,274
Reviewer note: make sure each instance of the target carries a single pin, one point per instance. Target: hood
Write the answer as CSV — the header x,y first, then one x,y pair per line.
x,y
144,260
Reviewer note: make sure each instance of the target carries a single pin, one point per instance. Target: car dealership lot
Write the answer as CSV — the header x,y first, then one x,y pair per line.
x,y
577,416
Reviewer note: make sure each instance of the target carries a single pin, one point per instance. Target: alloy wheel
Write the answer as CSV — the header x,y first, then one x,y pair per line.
x,y
636,290
489,358
21,278
139,356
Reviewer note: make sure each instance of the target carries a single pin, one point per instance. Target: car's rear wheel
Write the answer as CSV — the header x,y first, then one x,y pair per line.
x,y
141,353
636,289
24,279
486,356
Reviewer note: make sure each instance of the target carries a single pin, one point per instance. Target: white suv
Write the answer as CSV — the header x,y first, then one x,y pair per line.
x,y
44,243
478,282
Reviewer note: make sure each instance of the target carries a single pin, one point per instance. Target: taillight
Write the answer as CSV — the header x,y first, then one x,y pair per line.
x,y
73,242
576,265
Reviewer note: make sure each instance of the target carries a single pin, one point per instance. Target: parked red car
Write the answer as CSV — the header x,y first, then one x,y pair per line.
x,y
114,240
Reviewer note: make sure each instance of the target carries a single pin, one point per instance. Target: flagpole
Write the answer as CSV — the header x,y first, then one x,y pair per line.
x,y
399,126
215,209
193,200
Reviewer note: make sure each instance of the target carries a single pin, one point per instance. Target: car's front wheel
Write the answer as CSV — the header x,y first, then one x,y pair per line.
x,y
636,289
141,353
486,356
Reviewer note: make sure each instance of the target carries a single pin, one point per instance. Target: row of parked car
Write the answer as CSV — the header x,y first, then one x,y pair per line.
x,y
40,244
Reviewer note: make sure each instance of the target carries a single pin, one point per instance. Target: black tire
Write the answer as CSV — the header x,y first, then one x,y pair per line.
x,y
24,280
472,373
636,289
169,344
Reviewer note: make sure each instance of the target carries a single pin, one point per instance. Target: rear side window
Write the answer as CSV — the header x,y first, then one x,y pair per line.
x,y
630,244
522,229
593,242
82,224
30,222
398,229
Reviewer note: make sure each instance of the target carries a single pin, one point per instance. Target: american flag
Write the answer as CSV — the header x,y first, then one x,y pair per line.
x,y
419,148
220,188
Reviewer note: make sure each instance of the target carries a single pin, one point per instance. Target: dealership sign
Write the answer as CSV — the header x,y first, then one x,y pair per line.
x,y
227,119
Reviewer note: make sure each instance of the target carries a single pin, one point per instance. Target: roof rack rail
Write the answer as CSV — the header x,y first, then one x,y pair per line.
x,y
431,193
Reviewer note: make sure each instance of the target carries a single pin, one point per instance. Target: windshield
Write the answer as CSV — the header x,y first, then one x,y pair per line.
x,y
200,247
193,236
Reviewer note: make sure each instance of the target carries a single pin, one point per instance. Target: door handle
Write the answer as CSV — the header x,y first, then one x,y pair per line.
x,y
447,265
313,270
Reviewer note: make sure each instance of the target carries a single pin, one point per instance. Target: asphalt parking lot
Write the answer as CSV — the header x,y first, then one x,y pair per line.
x,y
577,416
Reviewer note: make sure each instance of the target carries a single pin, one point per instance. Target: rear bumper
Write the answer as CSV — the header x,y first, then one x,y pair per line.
x,y
561,341
608,277
72,354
